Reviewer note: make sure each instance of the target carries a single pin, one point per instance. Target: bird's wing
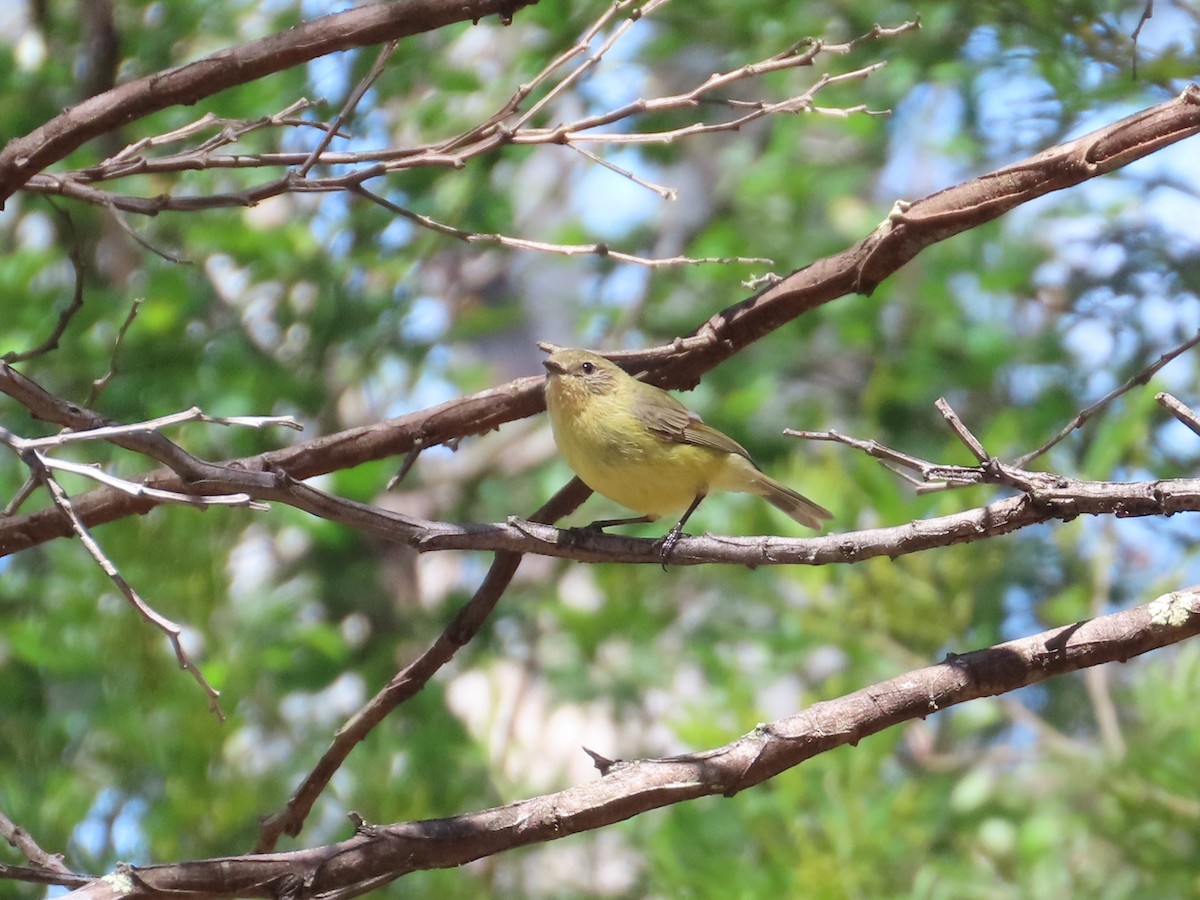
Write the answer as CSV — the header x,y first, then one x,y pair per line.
x,y
668,419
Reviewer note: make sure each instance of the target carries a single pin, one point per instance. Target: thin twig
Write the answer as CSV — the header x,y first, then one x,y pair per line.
x,y
960,430
665,193
584,129
124,225
231,131
99,384
37,465
140,490
348,107
75,254
601,250
508,125
1181,412
195,414
870,447
591,62
410,459
1140,378
1147,13
23,493
18,837
513,104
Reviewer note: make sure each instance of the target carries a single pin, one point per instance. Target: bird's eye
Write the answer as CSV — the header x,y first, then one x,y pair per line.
x,y
588,368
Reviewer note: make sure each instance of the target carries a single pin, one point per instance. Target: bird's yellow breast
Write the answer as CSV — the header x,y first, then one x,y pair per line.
x,y
616,455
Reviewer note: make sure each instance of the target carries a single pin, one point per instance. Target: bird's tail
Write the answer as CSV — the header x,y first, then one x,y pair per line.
x,y
789,502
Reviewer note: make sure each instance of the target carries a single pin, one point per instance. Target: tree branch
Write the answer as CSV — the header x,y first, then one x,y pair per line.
x,y
18,837
409,681
377,854
508,125
680,363
184,85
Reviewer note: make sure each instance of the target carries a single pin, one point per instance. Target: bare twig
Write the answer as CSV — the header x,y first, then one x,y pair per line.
x,y
513,104
961,431
665,193
601,250
1181,412
31,453
1147,13
124,225
184,464
352,101
583,130
38,466
410,459
870,447
99,384
509,125
18,837
1141,377
75,254
26,490
230,132
141,490
619,8
24,157
195,414
23,493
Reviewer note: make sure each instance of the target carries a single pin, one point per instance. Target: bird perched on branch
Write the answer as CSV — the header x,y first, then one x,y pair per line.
x,y
636,444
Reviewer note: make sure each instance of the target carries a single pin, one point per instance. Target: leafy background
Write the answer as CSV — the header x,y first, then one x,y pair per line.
x,y
333,311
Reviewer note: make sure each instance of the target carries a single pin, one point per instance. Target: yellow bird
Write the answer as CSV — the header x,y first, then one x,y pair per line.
x,y
636,444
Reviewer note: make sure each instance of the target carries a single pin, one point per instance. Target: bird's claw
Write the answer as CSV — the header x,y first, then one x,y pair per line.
x,y
666,544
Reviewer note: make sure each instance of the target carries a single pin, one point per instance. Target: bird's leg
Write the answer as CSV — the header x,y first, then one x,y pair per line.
x,y
573,534
671,538
601,524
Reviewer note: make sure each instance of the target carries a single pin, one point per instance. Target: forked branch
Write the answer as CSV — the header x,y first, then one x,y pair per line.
x,y
377,854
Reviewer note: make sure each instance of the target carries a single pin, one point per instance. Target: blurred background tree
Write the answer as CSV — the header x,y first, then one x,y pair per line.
x,y
331,309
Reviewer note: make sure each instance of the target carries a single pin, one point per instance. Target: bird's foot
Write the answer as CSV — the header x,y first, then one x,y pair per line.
x,y
666,544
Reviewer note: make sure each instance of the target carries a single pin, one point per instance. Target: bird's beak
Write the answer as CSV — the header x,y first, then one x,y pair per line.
x,y
554,367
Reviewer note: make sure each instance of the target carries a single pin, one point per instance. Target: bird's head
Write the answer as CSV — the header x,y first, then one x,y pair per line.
x,y
580,373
